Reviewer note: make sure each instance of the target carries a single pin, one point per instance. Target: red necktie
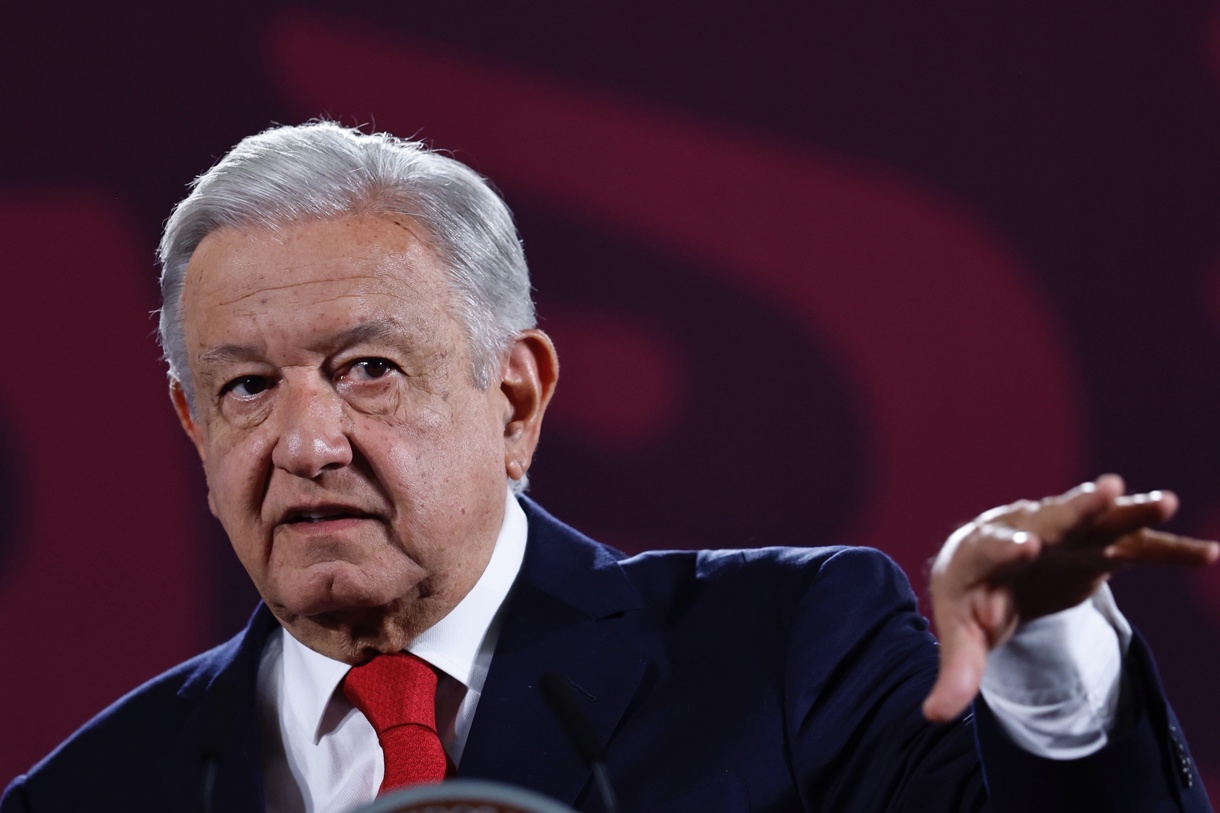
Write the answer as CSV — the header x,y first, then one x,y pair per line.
x,y
397,693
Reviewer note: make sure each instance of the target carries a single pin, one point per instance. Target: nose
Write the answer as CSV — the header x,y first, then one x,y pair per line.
x,y
312,431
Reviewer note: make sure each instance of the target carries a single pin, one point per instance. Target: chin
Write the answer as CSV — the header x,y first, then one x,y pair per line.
x,y
338,589
346,643
355,634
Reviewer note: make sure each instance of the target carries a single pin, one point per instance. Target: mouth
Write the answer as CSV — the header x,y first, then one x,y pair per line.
x,y
315,516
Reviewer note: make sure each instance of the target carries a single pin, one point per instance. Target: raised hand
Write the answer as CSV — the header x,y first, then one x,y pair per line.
x,y
1029,559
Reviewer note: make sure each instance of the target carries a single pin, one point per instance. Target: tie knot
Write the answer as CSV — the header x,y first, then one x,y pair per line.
x,y
393,690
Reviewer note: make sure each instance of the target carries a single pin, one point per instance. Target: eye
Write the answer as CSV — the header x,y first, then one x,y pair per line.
x,y
248,386
369,369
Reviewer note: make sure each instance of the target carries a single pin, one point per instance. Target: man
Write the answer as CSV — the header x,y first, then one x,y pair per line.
x,y
352,352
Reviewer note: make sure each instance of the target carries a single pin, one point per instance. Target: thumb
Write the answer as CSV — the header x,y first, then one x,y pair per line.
x,y
963,656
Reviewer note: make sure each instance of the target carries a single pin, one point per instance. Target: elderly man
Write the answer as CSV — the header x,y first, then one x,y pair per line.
x,y
352,352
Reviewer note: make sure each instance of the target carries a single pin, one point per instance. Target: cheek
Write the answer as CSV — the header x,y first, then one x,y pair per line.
x,y
438,466
236,471
454,428
234,497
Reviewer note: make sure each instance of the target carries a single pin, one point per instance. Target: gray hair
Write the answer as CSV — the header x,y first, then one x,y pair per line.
x,y
321,170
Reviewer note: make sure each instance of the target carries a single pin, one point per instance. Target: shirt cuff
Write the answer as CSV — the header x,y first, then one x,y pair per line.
x,y
1055,685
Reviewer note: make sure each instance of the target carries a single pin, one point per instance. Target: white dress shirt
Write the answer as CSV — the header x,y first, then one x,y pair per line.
x,y
1054,687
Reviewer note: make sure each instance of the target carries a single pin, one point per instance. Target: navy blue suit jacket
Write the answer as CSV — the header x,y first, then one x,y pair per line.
x,y
767,680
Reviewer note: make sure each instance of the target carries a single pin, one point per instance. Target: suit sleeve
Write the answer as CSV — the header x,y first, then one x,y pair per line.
x,y
1147,767
861,662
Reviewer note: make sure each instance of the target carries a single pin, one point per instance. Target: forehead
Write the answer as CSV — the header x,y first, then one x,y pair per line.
x,y
314,261
292,293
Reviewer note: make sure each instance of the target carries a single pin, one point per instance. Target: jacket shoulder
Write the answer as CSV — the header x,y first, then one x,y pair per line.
x,y
791,573
122,746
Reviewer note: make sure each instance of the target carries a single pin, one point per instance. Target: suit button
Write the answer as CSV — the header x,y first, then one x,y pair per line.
x,y
1184,771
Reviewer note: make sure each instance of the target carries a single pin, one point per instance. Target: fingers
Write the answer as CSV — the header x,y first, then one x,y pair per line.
x,y
1055,518
1093,514
1135,511
1146,546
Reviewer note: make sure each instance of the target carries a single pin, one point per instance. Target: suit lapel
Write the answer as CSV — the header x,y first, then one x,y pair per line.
x,y
572,612
221,691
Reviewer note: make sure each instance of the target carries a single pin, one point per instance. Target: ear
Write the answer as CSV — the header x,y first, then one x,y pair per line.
x,y
527,380
178,397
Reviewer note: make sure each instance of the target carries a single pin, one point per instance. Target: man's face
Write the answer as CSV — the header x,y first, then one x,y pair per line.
x,y
358,470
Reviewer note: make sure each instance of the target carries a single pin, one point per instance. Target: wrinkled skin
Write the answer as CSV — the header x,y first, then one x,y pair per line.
x,y
356,466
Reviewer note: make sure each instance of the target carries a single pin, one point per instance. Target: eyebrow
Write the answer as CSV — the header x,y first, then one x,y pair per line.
x,y
375,330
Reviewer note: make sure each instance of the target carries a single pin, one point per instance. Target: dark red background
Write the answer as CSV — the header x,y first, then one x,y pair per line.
x,y
817,273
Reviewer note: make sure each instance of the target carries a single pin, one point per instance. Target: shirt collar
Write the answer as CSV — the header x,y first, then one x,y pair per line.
x,y
455,644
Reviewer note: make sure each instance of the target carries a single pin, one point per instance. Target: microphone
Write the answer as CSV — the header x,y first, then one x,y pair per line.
x,y
580,733
218,722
